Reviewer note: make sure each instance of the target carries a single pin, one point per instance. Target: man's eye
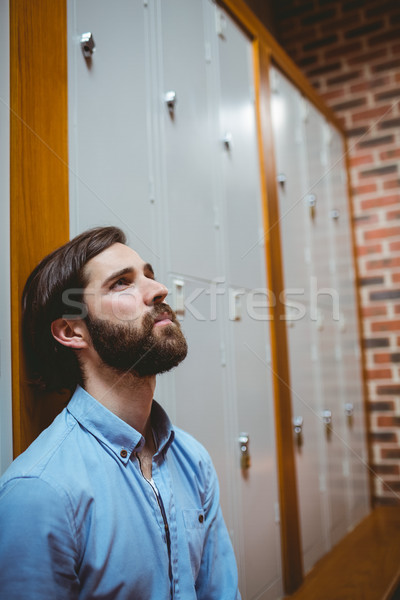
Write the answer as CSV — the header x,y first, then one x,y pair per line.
x,y
122,282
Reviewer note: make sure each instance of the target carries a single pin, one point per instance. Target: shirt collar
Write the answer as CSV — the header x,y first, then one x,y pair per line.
x,y
118,436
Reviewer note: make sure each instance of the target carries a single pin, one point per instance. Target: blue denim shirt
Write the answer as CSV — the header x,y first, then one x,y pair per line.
x,y
79,520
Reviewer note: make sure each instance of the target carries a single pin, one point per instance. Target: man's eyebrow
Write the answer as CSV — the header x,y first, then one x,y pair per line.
x,y
117,274
148,267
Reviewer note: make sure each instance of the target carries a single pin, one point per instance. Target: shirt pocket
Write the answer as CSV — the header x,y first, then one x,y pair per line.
x,y
194,520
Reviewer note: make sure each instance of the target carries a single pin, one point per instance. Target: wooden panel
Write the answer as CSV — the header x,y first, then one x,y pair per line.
x,y
39,176
290,528
363,566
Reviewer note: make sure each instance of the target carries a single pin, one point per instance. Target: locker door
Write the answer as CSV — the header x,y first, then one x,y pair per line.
x,y
287,110
325,302
353,405
108,120
185,141
197,389
248,366
295,223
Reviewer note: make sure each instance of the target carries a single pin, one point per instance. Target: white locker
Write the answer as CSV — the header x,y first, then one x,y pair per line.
x,y
326,305
188,187
324,366
248,362
196,393
111,178
288,109
348,334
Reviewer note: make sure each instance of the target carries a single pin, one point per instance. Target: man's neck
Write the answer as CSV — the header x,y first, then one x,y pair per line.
x,y
126,395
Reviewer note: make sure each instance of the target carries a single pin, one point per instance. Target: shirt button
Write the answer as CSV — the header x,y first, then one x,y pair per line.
x,y
124,453
201,518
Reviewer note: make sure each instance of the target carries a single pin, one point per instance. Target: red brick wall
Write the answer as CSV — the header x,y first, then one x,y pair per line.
x,y
350,51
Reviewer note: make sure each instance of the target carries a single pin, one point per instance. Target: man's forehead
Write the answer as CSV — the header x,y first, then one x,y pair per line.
x,y
118,256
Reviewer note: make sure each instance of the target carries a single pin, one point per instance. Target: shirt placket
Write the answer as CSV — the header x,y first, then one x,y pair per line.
x,y
157,495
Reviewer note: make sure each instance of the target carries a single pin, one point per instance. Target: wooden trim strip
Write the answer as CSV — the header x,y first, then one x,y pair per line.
x,y
292,567
39,212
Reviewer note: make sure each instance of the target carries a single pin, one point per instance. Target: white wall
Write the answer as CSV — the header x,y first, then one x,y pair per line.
x,y
5,315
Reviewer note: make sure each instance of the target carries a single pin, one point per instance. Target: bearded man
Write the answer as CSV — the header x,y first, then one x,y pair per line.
x,y
111,501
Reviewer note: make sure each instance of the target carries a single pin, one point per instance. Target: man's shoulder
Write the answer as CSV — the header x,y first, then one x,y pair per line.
x,y
187,445
38,457
187,440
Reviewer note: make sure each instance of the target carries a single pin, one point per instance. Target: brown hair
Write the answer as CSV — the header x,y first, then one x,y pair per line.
x,y
48,296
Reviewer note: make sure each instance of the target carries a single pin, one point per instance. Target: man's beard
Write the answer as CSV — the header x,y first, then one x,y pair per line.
x,y
138,349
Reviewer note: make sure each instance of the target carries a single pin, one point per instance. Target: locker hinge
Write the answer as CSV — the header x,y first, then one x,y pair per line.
x,y
268,357
221,23
274,81
304,108
277,512
216,217
223,354
207,52
314,353
327,133
151,191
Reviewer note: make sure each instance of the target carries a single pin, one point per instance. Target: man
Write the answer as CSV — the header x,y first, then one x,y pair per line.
x,y
110,501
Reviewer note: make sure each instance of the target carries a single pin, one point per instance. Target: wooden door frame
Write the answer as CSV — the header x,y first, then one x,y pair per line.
x,y
39,212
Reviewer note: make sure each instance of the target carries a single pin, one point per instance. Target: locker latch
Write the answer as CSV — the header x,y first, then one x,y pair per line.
x,y
349,412
170,100
87,44
327,420
312,203
245,461
298,430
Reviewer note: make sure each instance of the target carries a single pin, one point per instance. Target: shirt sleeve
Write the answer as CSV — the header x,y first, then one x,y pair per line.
x,y
217,577
37,549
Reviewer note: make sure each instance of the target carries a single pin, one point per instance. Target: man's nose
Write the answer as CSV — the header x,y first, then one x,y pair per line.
x,y
155,292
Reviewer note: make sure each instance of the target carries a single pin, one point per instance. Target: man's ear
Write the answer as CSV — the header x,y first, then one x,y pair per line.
x,y
70,333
